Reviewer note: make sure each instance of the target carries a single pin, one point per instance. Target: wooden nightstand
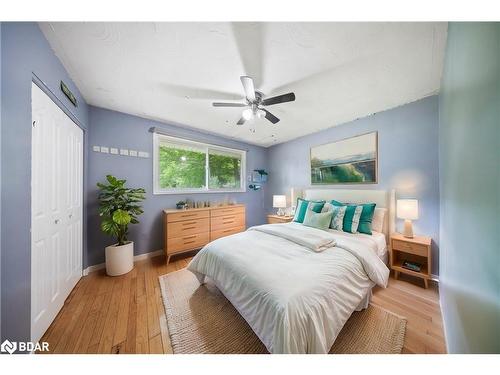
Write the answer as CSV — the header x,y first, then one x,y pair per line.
x,y
275,219
416,249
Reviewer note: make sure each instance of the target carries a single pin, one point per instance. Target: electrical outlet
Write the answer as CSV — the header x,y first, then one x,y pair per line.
x,y
132,153
104,150
143,154
113,151
96,149
124,151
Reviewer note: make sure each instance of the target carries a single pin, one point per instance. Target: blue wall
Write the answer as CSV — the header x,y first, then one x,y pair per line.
x,y
115,129
25,53
407,157
469,153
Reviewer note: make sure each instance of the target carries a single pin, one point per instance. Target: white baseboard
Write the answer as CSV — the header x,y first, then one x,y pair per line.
x,y
137,258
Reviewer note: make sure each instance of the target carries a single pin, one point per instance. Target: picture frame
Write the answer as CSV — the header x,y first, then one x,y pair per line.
x,y
347,161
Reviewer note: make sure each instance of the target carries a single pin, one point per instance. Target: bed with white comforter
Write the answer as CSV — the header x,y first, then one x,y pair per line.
x,y
296,286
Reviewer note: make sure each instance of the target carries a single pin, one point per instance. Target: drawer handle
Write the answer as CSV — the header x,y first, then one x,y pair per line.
x,y
189,223
188,237
228,222
227,230
189,228
188,242
186,215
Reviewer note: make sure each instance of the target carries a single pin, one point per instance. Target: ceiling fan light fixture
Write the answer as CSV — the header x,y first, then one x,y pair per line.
x,y
247,114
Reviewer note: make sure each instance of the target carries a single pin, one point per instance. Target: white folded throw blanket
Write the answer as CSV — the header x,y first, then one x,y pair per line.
x,y
314,239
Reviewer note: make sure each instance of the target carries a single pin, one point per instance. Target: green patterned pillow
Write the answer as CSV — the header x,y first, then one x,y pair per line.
x,y
357,218
318,220
303,205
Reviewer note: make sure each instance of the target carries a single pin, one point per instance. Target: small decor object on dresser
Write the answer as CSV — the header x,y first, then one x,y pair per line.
x,y
411,256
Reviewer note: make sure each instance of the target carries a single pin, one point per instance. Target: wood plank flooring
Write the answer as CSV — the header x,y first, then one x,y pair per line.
x,y
125,314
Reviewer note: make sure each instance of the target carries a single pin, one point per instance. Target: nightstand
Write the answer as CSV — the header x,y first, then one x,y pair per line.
x,y
416,249
276,219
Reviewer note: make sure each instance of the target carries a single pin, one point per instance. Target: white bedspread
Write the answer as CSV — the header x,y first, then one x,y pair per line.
x,y
296,300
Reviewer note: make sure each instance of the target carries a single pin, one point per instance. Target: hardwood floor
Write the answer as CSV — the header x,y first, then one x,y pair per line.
x,y
125,314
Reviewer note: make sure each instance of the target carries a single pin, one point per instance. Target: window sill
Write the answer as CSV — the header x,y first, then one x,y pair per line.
x,y
179,192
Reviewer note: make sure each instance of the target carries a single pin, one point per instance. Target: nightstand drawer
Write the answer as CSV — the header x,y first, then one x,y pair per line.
x,y
275,219
409,247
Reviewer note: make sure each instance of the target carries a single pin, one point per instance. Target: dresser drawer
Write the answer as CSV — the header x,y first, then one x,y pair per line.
x,y
187,227
225,232
409,247
187,215
224,211
227,221
194,241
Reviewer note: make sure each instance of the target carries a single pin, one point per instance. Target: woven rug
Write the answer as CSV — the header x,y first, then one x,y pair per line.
x,y
201,320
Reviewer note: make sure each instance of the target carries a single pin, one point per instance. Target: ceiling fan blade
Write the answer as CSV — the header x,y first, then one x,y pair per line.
x,y
270,116
249,87
290,97
241,121
216,104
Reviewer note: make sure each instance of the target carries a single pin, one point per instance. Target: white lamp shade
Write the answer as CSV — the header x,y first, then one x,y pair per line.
x,y
407,209
279,201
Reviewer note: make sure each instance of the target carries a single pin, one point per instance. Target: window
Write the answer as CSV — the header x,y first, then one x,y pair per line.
x,y
183,166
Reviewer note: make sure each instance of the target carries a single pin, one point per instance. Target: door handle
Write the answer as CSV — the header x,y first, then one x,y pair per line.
x,y
70,216
56,221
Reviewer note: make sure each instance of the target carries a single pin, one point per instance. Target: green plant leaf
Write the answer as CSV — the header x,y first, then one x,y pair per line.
x,y
121,217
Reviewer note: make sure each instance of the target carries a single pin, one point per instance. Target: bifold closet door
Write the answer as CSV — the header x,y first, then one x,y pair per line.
x,y
56,210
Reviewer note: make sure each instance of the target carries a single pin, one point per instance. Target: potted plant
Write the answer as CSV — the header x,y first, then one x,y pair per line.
x,y
119,207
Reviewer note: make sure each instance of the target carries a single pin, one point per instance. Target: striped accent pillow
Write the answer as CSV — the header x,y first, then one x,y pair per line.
x,y
351,217
303,205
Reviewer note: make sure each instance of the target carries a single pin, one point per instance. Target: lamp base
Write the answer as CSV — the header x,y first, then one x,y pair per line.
x,y
280,212
408,229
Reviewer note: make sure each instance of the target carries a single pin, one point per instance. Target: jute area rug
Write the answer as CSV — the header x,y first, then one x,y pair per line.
x,y
201,320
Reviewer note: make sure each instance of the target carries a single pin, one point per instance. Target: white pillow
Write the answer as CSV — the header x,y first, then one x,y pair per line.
x,y
378,219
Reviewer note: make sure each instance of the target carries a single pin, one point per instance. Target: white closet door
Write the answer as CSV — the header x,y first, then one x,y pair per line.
x,y
56,205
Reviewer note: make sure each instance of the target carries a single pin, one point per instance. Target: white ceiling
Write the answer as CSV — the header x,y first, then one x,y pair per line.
x,y
171,72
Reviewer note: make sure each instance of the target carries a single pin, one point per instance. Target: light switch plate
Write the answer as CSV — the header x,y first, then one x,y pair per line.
x,y
143,154
104,150
132,153
113,151
123,151
96,149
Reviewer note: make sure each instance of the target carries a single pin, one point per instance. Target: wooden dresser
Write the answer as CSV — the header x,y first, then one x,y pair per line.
x,y
187,230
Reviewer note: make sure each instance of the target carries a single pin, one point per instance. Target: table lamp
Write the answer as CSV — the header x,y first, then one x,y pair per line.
x,y
407,209
279,202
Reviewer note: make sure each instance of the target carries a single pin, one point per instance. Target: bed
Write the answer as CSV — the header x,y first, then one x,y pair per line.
x,y
295,290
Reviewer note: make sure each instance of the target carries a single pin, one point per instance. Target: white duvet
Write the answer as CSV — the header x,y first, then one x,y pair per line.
x,y
294,298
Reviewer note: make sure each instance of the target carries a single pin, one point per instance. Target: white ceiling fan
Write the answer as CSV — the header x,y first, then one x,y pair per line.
x,y
255,102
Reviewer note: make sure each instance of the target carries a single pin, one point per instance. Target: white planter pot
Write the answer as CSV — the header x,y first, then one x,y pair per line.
x,y
119,259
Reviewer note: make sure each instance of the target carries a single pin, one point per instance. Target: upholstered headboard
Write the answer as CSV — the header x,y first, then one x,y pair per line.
x,y
383,199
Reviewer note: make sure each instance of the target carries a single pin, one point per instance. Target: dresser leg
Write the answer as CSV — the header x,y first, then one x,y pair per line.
x,y
426,283
168,259
396,274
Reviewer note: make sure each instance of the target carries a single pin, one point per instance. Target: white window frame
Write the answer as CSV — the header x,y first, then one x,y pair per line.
x,y
157,137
